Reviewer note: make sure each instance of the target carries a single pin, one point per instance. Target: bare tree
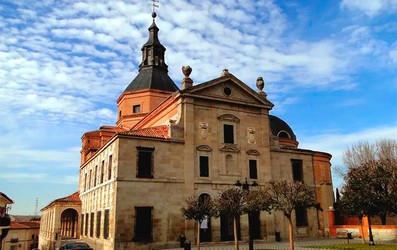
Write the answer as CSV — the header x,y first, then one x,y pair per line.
x,y
359,153
198,210
387,150
379,159
287,196
231,203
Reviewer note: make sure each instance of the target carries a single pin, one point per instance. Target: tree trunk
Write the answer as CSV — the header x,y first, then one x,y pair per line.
x,y
360,218
198,235
235,232
383,218
371,237
291,233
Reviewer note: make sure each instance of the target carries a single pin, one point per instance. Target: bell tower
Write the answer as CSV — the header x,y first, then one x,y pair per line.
x,y
150,87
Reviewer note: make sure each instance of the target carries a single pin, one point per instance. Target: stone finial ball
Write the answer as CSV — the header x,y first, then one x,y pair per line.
x,y
260,83
186,70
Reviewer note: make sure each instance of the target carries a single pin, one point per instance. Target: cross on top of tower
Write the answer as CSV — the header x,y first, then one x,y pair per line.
x,y
155,4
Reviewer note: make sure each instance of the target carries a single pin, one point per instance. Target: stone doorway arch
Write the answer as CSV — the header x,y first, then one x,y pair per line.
x,y
69,223
205,227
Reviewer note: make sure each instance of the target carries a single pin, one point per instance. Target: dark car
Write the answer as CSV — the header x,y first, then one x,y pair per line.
x,y
75,246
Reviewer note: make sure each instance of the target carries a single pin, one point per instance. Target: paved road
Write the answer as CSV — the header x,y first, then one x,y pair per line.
x,y
299,244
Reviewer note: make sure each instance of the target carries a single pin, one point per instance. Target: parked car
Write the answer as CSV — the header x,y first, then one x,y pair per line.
x,y
75,246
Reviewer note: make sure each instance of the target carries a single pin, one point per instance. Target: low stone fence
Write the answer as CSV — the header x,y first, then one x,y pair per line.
x,y
379,232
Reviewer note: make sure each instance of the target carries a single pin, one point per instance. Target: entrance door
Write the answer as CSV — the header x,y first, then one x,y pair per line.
x,y
205,230
205,227
255,224
227,233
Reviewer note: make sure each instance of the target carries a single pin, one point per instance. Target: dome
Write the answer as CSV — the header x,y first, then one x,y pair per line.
x,y
280,128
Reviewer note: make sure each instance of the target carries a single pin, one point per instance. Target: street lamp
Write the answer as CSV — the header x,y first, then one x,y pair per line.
x,y
246,186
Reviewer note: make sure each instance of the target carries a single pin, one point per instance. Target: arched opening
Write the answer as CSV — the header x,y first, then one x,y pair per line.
x,y
229,163
283,134
205,227
69,222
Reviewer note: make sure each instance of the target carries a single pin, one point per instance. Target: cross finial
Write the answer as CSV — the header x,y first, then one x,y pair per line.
x,y
155,4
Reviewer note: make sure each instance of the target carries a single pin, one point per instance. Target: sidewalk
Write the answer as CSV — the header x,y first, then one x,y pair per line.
x,y
300,244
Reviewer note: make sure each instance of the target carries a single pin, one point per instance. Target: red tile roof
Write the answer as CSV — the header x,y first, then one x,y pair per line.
x,y
25,218
73,197
24,225
153,132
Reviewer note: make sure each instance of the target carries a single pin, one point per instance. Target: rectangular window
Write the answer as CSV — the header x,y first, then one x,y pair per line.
x,y
82,225
85,182
92,225
136,109
145,162
106,224
228,133
89,179
102,171
204,166
98,224
297,170
95,174
253,169
143,224
86,225
110,167
301,217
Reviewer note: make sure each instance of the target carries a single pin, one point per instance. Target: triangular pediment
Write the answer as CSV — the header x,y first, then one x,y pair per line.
x,y
228,89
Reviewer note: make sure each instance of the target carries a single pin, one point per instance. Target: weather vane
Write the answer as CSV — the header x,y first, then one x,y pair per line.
x,y
155,4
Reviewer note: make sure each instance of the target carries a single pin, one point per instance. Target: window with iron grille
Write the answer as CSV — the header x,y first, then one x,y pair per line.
x,y
110,167
106,224
145,162
86,224
92,225
102,171
82,225
95,174
98,224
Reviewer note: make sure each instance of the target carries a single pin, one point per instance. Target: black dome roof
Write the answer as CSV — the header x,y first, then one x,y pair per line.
x,y
280,127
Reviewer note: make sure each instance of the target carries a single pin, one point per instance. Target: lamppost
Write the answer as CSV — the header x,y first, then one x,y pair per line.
x,y
246,186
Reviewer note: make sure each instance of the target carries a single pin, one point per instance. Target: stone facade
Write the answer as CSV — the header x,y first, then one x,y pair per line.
x,y
60,220
202,113
169,144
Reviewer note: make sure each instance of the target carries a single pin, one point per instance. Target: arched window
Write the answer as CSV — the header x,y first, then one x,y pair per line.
x,y
283,134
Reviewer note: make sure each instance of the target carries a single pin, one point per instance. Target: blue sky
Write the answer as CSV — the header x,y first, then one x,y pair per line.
x,y
329,67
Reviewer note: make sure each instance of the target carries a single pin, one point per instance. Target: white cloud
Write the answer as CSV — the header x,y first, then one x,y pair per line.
x,y
370,7
393,53
18,177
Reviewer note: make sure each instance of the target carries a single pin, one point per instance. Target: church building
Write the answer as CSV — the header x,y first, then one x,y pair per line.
x,y
172,141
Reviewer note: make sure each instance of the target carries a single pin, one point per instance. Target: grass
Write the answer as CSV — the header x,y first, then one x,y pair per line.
x,y
354,246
